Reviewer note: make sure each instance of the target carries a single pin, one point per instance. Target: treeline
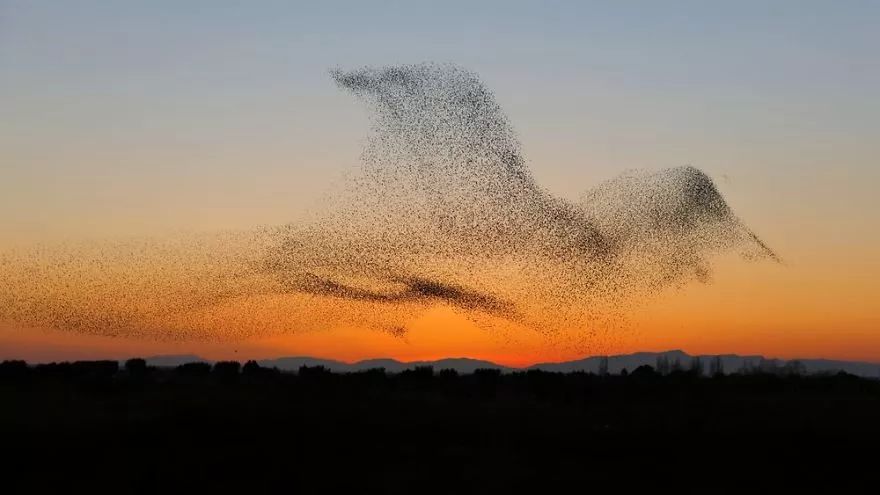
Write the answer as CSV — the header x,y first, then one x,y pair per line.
x,y
715,366
138,371
200,427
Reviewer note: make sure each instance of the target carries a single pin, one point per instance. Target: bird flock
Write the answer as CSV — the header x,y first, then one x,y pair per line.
x,y
444,210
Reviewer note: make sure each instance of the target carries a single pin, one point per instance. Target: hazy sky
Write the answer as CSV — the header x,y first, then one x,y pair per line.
x,y
124,118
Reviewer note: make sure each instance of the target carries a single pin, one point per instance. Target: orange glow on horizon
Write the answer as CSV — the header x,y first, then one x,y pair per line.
x,y
785,311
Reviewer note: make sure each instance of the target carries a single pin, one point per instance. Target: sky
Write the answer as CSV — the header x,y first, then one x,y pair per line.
x,y
129,119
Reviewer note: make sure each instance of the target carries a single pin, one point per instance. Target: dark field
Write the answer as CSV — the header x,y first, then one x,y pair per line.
x,y
198,429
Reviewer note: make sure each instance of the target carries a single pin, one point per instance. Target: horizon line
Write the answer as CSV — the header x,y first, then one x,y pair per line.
x,y
387,358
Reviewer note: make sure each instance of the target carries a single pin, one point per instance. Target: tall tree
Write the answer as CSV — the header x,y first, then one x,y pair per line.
x,y
716,366
603,365
697,366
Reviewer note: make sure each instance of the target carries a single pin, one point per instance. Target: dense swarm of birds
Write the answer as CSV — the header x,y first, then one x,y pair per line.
x,y
444,211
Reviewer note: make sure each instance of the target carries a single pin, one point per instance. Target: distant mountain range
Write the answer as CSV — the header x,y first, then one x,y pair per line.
x,y
730,362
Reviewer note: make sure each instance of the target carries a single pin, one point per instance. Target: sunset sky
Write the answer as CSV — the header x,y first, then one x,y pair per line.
x,y
125,119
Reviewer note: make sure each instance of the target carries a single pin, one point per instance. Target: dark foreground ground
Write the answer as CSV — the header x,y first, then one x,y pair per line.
x,y
195,429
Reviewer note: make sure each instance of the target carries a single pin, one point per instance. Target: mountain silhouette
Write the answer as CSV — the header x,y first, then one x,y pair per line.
x,y
731,363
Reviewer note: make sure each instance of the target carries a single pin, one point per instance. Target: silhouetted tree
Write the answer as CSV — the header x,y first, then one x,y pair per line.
x,y
136,367
193,369
251,368
252,371
415,378
487,380
419,372
663,364
769,366
794,368
313,372
696,366
487,373
716,366
227,371
374,372
102,370
424,370
624,372
13,370
645,371
603,365
448,373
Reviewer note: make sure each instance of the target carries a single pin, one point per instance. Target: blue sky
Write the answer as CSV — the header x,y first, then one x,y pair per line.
x,y
221,114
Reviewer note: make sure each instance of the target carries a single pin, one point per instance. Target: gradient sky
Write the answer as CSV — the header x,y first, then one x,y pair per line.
x,y
132,118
